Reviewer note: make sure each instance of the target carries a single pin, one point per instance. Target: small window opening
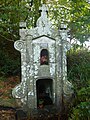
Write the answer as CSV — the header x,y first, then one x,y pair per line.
x,y
44,57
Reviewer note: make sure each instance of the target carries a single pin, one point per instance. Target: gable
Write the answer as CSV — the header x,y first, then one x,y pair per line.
x,y
44,39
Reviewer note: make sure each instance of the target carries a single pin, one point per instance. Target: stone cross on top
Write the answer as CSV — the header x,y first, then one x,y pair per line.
x,y
43,23
44,9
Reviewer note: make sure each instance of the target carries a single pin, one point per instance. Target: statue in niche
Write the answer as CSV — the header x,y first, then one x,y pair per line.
x,y
44,57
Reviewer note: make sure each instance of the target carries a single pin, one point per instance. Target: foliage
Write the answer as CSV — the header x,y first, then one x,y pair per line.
x,y
12,12
7,64
79,75
81,112
79,20
81,109
76,13
79,67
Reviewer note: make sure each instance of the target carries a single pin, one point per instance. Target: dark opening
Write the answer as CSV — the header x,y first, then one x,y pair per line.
x,y
44,92
44,57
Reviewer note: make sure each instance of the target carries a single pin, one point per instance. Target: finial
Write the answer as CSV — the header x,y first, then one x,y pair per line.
x,y
22,25
43,22
63,26
44,9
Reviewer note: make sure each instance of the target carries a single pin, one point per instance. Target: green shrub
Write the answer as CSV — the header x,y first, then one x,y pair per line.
x,y
7,64
79,75
78,63
81,112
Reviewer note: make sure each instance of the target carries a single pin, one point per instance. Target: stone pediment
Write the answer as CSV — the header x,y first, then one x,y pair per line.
x,y
43,39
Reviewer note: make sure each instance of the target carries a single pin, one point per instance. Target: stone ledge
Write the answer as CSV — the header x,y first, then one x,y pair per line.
x,y
44,71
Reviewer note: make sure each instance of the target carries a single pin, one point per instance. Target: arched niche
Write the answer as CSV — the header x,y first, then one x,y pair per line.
x,y
44,57
44,91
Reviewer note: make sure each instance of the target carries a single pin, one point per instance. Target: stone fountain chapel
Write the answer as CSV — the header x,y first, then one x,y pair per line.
x,y
43,64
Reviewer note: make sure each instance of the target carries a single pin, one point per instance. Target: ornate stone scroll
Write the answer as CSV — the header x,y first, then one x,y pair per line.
x,y
19,45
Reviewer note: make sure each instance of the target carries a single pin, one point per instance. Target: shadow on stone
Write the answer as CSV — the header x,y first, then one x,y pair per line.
x,y
21,115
